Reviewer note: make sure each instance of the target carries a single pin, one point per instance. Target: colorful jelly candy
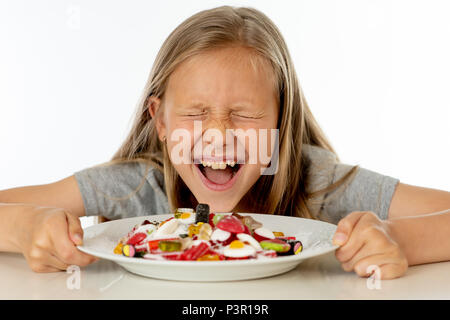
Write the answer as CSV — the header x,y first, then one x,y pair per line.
x,y
231,224
195,252
277,245
217,217
246,238
169,245
128,250
154,244
262,233
136,238
238,249
220,235
194,229
202,213
168,227
186,243
248,221
209,257
180,211
205,231
118,248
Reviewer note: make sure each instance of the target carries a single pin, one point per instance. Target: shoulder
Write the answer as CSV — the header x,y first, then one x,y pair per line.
x,y
320,165
120,177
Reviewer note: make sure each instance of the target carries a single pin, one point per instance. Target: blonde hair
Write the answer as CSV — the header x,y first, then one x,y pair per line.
x,y
282,193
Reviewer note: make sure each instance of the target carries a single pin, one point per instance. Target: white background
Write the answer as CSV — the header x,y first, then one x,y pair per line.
x,y
376,75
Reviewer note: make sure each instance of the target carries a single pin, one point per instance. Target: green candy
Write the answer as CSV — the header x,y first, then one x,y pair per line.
x,y
217,218
169,246
276,245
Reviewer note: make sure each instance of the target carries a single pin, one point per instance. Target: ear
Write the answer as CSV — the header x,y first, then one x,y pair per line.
x,y
154,105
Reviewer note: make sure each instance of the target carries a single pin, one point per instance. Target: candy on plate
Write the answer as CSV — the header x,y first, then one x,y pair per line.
x,y
201,235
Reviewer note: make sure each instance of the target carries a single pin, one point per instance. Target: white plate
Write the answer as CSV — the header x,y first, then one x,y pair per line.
x,y
101,239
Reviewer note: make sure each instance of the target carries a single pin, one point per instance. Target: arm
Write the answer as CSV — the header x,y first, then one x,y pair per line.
x,y
413,234
43,223
419,219
61,194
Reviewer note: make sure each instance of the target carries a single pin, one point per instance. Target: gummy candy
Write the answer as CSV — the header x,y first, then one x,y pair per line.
x,y
194,229
262,233
249,239
169,245
205,232
209,257
231,224
217,218
202,213
154,244
138,237
216,237
211,219
249,222
128,250
118,248
278,234
195,251
180,211
220,235
168,227
277,245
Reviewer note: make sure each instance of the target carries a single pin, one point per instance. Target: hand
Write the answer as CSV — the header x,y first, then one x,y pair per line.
x,y
48,240
365,240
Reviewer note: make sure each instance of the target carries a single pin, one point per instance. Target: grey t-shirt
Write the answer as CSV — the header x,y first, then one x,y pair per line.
x,y
135,189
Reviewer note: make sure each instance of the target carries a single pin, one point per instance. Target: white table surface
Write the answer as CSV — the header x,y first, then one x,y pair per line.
x,y
316,278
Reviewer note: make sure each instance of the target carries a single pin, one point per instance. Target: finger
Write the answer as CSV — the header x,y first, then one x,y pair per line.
x,y
372,246
75,229
66,250
54,262
345,227
384,266
355,242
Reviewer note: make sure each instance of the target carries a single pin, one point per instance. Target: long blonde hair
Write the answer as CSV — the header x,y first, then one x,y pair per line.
x,y
282,193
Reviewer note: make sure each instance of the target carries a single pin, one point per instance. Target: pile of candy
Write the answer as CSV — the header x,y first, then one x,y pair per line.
x,y
205,236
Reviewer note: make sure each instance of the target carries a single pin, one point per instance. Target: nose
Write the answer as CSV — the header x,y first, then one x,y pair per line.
x,y
214,127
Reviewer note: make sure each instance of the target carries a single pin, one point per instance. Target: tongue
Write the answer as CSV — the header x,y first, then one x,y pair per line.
x,y
218,176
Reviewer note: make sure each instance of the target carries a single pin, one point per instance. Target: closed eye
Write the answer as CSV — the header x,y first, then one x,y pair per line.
x,y
245,116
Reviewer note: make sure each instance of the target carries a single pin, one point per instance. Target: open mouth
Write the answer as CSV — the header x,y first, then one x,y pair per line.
x,y
219,175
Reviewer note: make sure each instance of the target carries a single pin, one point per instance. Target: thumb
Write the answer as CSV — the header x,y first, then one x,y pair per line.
x,y
345,227
75,230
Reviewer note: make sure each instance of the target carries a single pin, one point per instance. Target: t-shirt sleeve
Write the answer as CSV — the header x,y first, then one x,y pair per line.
x,y
122,190
365,190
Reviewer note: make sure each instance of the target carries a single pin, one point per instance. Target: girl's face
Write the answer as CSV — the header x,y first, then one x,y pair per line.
x,y
220,89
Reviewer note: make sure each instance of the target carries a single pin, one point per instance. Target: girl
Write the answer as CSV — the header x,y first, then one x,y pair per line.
x,y
229,68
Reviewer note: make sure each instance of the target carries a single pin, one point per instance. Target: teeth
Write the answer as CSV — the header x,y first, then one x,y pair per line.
x,y
218,165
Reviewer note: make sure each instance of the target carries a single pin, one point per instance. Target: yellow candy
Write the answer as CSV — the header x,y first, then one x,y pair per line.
x,y
209,257
194,229
185,215
205,231
278,234
118,248
236,244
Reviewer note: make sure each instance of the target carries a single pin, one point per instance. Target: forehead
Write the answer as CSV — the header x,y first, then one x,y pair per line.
x,y
223,76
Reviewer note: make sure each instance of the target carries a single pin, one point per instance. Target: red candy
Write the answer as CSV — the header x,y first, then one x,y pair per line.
x,y
153,244
211,221
231,224
138,237
195,251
